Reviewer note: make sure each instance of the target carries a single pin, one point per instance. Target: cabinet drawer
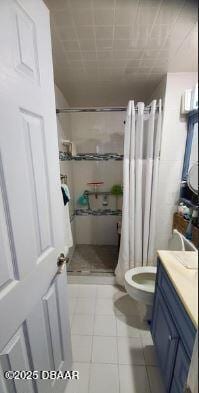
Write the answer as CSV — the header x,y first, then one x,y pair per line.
x,y
183,323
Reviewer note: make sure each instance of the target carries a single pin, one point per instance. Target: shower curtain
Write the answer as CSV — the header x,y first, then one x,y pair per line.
x,y
142,141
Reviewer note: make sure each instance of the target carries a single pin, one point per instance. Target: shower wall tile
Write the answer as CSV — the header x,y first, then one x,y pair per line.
x,y
109,172
164,225
98,132
174,140
92,133
98,212
177,84
96,230
169,186
63,156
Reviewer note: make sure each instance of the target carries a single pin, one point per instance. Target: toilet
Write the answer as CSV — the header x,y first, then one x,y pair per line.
x,y
140,281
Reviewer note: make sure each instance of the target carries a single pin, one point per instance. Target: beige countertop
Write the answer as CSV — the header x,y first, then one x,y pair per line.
x,y
184,280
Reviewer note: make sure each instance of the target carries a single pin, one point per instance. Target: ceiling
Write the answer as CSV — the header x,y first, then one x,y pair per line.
x,y
107,51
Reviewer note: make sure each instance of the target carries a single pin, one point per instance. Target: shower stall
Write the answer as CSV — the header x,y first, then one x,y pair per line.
x,y
91,156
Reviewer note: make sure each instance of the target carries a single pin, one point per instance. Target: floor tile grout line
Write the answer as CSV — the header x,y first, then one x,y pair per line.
x,y
118,366
147,373
118,357
117,317
89,381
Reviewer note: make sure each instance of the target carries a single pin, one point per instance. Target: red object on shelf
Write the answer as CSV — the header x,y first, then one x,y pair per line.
x,y
95,184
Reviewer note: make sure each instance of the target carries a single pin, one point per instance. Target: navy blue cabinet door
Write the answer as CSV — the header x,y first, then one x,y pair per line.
x,y
165,337
181,370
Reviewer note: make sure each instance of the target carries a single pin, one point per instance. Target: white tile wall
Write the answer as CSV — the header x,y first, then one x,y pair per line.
x,y
98,132
174,134
96,230
108,172
101,133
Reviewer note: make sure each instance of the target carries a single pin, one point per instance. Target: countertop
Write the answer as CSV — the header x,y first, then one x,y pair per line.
x,y
184,280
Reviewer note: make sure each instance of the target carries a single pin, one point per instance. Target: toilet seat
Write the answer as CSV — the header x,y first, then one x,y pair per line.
x,y
140,283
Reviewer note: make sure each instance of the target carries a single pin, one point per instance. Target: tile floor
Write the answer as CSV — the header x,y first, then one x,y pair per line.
x,y
93,259
112,348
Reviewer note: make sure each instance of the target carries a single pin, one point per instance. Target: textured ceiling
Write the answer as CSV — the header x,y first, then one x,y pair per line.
x,y
107,51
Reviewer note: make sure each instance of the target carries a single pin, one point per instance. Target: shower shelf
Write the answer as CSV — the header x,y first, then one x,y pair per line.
x,y
98,212
63,156
97,192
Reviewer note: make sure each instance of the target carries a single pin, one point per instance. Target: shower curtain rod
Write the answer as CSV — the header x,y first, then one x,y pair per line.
x,y
99,109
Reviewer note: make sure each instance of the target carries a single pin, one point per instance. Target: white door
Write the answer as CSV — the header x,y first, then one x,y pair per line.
x,y
34,327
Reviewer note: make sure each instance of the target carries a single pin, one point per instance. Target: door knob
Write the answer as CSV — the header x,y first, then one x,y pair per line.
x,y
61,260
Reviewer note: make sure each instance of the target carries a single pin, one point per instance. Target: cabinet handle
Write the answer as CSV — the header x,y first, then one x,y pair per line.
x,y
171,338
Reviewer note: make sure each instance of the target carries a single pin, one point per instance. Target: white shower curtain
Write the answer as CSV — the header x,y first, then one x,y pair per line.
x,y
142,141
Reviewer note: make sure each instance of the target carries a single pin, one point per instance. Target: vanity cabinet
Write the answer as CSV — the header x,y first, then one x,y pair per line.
x,y
173,333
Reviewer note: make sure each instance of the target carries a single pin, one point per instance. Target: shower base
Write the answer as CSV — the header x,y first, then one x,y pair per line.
x,y
93,260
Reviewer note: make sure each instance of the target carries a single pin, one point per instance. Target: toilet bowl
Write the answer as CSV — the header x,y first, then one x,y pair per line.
x,y
140,281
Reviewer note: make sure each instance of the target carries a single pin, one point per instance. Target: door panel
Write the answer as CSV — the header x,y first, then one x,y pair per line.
x,y
7,270
165,337
38,177
15,356
34,325
26,53
38,339
53,327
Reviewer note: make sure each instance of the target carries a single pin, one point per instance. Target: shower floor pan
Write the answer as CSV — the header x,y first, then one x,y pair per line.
x,y
93,259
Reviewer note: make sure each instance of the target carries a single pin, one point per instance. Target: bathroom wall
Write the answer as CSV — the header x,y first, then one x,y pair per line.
x,y
100,132
174,134
97,133
64,132
159,91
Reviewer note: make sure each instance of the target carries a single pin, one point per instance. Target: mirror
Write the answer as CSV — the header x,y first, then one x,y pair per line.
x,y
194,147
191,149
